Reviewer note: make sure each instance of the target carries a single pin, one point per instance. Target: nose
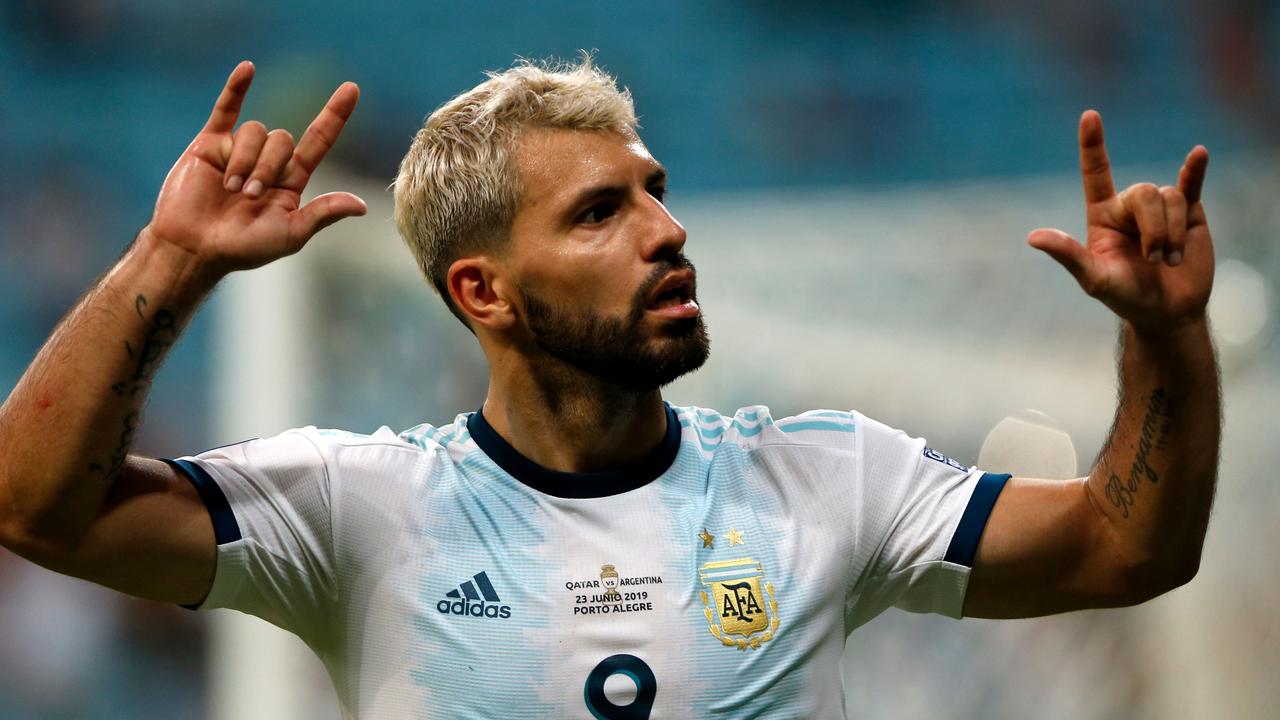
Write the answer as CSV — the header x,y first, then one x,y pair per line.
x,y
666,236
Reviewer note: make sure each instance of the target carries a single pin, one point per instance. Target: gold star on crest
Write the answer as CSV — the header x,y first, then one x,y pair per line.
x,y
708,539
734,537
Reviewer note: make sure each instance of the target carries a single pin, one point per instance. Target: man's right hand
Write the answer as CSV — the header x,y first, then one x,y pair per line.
x,y
234,199
72,498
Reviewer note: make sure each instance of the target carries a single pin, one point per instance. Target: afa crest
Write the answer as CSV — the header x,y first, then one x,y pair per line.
x,y
734,604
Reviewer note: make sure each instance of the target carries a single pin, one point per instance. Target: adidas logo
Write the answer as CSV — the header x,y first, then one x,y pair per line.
x,y
475,597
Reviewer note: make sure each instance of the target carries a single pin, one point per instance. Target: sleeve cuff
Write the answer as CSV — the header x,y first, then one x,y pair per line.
x,y
964,543
225,528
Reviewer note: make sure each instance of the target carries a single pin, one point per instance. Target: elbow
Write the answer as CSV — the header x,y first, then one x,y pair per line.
x,y
1150,578
15,531
23,537
1184,573
8,522
23,533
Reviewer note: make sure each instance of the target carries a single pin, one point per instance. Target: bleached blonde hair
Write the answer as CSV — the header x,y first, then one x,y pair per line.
x,y
458,187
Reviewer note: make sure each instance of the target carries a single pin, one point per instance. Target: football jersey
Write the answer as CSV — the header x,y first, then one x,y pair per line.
x,y
438,573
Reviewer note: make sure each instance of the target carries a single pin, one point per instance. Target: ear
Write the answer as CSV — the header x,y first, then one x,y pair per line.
x,y
478,287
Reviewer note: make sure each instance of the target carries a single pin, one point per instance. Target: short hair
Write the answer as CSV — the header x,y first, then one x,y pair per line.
x,y
458,187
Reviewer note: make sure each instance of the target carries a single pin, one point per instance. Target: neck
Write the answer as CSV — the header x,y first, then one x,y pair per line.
x,y
565,420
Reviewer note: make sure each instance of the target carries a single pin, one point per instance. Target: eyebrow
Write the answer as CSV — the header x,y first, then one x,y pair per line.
x,y
596,192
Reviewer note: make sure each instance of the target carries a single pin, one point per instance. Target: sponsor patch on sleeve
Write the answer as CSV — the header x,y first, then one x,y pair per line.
x,y
939,457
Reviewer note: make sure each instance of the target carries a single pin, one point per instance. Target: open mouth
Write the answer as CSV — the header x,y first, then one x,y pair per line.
x,y
674,296
674,290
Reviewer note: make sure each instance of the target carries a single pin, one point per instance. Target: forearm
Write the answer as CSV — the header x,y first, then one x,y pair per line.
x,y
1154,480
68,426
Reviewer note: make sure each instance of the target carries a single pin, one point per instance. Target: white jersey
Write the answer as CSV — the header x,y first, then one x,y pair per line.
x,y
440,574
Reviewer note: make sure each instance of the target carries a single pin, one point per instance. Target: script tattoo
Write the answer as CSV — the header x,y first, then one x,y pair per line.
x,y
121,452
1155,430
162,334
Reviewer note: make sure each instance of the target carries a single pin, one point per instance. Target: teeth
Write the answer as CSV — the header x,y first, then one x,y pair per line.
x,y
674,296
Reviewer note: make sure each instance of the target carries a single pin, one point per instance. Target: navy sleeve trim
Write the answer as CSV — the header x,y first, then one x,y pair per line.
x,y
225,527
964,544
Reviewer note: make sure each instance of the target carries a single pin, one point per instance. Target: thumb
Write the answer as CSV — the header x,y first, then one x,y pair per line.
x,y
324,211
1068,251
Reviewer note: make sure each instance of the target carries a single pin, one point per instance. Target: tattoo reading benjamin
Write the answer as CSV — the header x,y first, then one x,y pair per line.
x,y
1155,429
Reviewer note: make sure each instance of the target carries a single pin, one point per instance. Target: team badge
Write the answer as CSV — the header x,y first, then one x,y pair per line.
x,y
735,605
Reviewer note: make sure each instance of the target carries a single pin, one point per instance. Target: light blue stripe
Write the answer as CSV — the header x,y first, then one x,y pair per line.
x,y
735,575
751,431
738,564
816,425
733,569
711,432
744,569
701,439
830,413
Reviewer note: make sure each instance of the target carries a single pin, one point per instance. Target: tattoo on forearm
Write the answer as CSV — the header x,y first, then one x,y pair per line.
x,y
121,453
162,334
1155,431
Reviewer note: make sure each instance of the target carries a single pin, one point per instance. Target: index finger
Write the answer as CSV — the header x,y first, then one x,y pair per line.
x,y
1094,164
227,109
1191,177
321,136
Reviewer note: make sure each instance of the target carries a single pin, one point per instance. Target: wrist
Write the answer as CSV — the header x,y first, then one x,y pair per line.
x,y
1179,353
1193,328
189,273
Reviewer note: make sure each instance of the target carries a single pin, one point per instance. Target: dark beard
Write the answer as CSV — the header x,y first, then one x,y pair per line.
x,y
617,350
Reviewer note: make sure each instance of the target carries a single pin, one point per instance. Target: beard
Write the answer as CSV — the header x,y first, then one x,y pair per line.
x,y
622,351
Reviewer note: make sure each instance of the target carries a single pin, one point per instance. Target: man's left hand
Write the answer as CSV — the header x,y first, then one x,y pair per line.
x,y
1148,254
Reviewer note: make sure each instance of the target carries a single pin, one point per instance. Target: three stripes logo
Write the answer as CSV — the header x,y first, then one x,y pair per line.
x,y
475,597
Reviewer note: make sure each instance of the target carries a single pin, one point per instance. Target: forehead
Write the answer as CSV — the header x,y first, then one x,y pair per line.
x,y
556,165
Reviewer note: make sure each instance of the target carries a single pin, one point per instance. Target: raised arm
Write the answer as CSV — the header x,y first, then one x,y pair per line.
x,y
72,498
1134,527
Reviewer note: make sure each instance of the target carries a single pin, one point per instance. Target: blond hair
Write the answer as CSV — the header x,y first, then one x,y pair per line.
x,y
458,187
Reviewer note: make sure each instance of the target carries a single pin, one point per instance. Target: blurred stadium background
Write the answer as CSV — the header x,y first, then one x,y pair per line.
x,y
857,180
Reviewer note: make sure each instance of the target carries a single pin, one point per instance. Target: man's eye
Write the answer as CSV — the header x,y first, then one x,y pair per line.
x,y
597,213
659,193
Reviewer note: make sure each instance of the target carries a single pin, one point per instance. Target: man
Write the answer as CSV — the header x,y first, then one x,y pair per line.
x,y
577,547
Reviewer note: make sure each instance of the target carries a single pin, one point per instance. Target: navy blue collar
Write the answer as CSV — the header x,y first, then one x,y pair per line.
x,y
577,485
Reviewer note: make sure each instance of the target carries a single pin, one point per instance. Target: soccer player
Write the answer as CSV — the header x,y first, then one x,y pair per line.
x,y
577,547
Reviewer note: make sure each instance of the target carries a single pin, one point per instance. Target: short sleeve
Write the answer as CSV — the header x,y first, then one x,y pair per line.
x,y
923,513
269,500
